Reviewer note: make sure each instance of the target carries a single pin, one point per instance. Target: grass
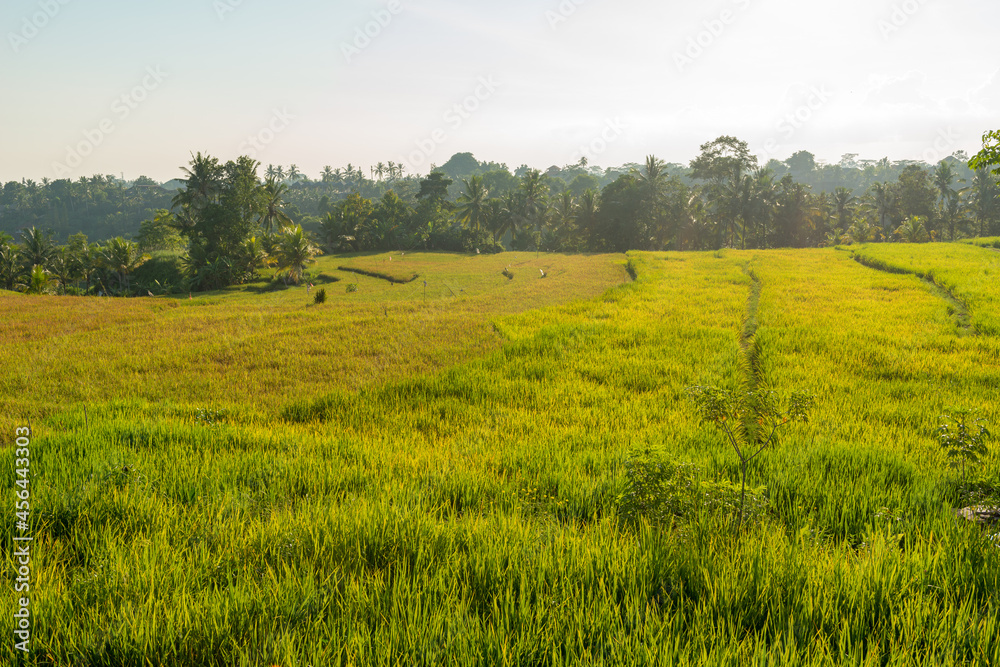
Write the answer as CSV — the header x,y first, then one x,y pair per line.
x,y
447,487
254,351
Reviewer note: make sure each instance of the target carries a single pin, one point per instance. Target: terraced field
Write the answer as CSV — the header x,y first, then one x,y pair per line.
x,y
450,477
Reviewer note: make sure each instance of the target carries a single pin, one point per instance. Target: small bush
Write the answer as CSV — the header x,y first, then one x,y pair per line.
x,y
320,296
665,493
352,288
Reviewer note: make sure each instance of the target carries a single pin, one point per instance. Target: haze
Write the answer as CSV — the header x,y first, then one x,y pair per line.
x,y
127,88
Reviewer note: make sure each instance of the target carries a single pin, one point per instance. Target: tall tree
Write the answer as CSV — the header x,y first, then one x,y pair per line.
x,y
435,187
534,201
881,202
471,204
272,212
944,178
723,164
984,202
989,156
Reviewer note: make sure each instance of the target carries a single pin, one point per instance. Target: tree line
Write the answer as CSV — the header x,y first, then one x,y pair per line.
x,y
225,223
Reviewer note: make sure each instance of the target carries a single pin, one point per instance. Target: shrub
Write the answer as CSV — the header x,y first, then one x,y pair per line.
x,y
665,493
963,436
320,296
352,288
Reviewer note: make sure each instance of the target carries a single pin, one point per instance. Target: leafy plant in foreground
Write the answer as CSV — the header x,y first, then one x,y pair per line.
x,y
750,421
964,439
665,492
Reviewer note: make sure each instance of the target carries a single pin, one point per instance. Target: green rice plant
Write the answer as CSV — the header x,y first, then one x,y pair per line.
x,y
447,487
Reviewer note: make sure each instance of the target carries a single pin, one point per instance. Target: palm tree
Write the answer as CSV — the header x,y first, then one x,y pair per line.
x,y
470,212
913,230
654,178
380,170
88,262
843,202
272,213
123,258
984,196
293,173
202,185
10,266
564,219
586,216
944,176
38,281
760,200
271,171
252,256
733,202
881,202
862,231
496,217
337,234
62,268
533,189
295,250
37,248
327,174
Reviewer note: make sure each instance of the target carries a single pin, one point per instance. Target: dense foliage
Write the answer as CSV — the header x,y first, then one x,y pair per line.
x,y
232,225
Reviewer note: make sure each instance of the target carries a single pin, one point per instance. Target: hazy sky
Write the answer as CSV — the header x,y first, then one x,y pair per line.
x,y
112,87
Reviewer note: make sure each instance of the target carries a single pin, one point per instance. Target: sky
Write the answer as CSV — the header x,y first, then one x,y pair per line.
x,y
134,88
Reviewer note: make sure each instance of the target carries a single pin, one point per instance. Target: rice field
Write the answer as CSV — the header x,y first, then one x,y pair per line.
x,y
449,477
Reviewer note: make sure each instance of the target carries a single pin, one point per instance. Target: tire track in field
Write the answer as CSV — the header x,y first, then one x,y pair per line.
x,y
957,308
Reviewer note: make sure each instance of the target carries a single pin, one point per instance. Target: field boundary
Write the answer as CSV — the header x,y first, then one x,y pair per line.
x,y
959,309
381,276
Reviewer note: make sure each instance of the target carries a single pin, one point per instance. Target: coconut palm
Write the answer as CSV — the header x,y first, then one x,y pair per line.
x,y
10,266
913,230
563,219
63,268
295,251
293,173
337,234
534,189
586,215
881,201
984,199
252,256
495,218
948,203
272,213
123,257
471,203
862,231
843,203
37,248
202,185
38,281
